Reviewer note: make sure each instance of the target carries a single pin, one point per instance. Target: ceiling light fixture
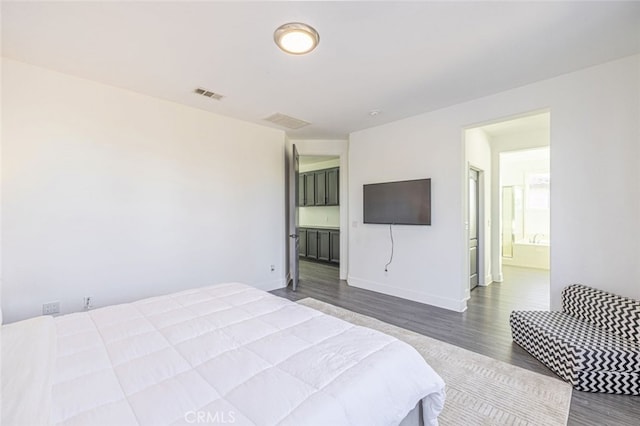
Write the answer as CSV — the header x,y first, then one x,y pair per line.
x,y
374,112
296,38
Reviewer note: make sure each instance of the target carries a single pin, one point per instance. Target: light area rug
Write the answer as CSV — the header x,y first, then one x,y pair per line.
x,y
480,390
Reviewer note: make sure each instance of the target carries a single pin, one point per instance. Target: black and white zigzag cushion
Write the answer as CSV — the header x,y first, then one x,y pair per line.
x,y
591,348
616,314
582,366
626,383
545,345
594,343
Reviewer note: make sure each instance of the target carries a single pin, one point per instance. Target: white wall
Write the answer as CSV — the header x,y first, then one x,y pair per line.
x,y
520,141
1,314
428,261
320,216
331,147
478,154
595,152
118,196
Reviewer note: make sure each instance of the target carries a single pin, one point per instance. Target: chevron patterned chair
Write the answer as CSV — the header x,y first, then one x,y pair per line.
x,y
594,343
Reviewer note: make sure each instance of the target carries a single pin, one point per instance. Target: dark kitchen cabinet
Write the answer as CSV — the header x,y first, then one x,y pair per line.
x,y
324,246
319,188
312,243
333,189
320,244
302,242
334,237
309,189
301,190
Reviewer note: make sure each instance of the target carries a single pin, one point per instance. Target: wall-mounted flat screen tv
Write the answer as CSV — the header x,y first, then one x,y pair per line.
x,y
399,203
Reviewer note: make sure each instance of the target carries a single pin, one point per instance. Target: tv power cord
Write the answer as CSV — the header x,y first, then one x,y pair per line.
x,y
391,257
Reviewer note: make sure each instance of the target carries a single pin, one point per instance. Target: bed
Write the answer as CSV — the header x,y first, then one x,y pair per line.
x,y
224,354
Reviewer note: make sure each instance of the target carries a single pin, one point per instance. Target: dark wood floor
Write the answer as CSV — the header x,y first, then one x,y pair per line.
x,y
483,328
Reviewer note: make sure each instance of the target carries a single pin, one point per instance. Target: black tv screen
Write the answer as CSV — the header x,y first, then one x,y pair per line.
x,y
399,203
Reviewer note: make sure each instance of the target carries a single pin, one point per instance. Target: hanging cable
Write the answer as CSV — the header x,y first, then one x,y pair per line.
x,y
391,257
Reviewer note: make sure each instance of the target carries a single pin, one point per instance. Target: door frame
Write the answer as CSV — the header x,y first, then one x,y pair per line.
x,y
293,227
474,175
482,220
334,148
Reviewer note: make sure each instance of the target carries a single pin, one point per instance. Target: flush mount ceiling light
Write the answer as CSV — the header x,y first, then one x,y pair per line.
x,y
296,38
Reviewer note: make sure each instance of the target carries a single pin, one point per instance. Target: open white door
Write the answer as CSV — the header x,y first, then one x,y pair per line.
x,y
294,236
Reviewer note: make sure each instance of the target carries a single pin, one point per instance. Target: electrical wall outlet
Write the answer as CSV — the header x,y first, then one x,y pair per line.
x,y
50,308
87,303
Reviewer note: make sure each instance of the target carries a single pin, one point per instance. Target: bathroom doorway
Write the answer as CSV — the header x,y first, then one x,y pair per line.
x,y
515,154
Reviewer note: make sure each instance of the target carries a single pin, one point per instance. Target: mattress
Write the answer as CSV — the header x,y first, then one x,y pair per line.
x,y
224,354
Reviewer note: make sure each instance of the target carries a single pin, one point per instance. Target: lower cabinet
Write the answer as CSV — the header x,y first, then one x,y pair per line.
x,y
324,246
312,243
334,242
302,242
320,244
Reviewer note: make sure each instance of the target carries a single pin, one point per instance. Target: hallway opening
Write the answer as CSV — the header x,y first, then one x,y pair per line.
x,y
514,213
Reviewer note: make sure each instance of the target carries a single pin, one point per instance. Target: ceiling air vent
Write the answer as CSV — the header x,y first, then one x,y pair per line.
x,y
208,93
286,121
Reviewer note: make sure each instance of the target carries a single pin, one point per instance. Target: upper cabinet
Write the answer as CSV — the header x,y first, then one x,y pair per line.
x,y
300,200
319,188
333,187
309,189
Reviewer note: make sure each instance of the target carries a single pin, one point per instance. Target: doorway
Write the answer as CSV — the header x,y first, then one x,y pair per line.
x,y
515,155
318,219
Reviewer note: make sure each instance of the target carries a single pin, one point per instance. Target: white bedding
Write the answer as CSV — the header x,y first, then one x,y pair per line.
x,y
28,358
231,354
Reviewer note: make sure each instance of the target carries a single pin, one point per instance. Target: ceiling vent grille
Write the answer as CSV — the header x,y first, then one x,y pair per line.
x,y
286,121
208,93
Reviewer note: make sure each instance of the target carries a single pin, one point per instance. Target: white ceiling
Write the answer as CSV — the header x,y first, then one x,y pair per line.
x,y
526,155
403,58
532,123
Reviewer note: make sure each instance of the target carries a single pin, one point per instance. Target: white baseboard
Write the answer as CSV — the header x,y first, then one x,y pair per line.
x,y
429,299
271,285
498,278
487,281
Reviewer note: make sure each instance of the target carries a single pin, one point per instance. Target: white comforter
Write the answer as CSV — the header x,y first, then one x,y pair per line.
x,y
229,354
